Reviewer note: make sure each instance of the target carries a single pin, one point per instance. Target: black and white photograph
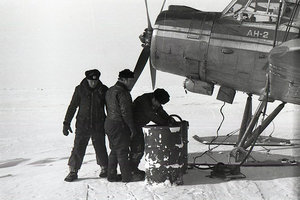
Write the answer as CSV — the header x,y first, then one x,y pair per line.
x,y
150,99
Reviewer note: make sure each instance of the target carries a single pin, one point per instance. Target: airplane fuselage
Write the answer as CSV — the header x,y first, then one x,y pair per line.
x,y
215,49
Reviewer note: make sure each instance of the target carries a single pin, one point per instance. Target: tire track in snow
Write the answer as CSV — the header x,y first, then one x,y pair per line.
x,y
90,193
130,193
153,194
259,190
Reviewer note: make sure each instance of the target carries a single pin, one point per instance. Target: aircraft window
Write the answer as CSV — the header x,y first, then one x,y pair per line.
x,y
288,10
255,10
262,11
235,8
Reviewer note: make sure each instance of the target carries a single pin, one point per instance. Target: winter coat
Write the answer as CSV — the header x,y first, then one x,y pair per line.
x,y
119,105
90,102
144,111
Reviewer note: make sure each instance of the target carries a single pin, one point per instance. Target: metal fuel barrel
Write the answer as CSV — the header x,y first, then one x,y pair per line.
x,y
166,152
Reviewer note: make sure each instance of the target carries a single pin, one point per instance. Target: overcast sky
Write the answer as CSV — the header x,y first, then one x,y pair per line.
x,y
50,43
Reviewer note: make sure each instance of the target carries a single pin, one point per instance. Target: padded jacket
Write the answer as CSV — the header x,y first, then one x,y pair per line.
x,y
119,105
91,114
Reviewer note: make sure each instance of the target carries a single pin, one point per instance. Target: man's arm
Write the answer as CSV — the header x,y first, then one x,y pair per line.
x,y
162,113
72,107
103,91
125,103
158,116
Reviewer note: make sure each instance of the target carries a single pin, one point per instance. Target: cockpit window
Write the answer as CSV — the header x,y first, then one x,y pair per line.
x,y
258,10
235,7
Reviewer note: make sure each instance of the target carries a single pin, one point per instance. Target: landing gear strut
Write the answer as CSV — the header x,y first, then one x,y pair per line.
x,y
248,136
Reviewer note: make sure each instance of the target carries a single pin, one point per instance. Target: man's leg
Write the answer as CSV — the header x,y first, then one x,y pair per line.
x,y
127,174
126,168
98,140
77,154
122,154
111,128
137,147
112,167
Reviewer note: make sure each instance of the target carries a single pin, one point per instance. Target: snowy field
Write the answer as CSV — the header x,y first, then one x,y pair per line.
x,y
49,44
34,152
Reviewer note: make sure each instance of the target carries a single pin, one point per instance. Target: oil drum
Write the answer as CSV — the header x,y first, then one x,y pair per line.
x,y
166,153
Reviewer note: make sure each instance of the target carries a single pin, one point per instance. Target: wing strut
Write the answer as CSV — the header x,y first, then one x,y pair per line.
x,y
277,23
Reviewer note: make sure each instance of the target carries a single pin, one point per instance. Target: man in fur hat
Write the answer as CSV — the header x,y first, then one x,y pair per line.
x,y
89,98
146,108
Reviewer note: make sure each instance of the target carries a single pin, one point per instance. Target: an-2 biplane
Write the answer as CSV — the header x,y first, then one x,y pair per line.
x,y
252,46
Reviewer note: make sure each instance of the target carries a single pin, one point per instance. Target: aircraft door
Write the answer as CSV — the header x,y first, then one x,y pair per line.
x,y
245,49
223,52
198,37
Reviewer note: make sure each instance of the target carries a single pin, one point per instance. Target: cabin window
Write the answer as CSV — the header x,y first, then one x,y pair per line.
x,y
259,10
287,13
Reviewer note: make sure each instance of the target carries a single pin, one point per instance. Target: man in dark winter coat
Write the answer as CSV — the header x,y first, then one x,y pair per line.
x,y
89,97
119,127
146,108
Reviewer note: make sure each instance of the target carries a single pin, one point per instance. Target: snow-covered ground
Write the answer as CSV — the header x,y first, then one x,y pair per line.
x,y
34,152
49,44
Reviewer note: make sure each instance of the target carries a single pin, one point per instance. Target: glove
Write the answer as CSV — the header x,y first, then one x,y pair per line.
x,y
66,129
171,121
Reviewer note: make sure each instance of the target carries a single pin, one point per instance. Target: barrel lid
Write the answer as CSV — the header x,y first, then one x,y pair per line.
x,y
172,129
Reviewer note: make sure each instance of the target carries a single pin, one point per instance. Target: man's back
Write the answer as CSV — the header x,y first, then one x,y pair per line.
x,y
118,103
144,111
